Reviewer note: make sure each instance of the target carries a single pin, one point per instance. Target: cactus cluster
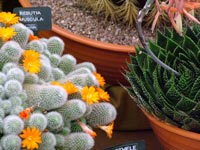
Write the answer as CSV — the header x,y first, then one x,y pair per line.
x,y
44,95
170,97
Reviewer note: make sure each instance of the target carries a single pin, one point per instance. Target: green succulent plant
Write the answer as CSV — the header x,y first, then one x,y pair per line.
x,y
170,97
41,103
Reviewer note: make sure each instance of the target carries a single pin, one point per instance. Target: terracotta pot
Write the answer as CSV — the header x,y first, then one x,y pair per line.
x,y
174,138
109,59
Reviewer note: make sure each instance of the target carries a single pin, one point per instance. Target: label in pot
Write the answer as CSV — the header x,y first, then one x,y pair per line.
x,y
139,145
35,18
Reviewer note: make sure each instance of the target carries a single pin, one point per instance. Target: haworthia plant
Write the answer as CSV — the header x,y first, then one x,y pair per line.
x,y
170,97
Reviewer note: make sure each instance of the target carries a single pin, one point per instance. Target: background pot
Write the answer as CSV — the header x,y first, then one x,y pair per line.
x,y
110,59
173,138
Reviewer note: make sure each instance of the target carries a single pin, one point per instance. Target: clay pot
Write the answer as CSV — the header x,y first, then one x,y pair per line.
x,y
174,138
109,59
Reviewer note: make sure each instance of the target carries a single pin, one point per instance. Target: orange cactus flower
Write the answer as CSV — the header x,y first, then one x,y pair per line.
x,y
104,96
25,114
31,138
99,78
175,9
87,130
33,37
108,129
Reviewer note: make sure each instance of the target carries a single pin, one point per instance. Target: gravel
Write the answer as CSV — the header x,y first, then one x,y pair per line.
x,y
70,15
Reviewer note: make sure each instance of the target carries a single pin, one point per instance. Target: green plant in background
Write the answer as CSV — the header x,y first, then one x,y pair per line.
x,y
123,11
162,21
165,75
127,11
106,7
47,99
116,10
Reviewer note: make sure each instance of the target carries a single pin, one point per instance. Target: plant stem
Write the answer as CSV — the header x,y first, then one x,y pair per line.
x,y
141,15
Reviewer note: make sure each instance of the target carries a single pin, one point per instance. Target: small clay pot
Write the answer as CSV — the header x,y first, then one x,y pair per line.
x,y
172,137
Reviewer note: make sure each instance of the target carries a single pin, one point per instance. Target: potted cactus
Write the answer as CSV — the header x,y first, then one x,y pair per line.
x,y
164,76
47,100
102,54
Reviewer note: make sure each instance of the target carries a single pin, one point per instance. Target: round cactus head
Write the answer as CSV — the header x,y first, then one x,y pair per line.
x,y
12,125
102,114
22,35
77,141
38,120
13,87
36,45
73,109
55,120
11,142
67,63
55,45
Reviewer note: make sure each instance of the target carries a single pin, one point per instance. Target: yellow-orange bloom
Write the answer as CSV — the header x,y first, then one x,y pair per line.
x,y
99,78
175,11
31,61
6,33
104,96
70,88
56,83
90,95
108,129
31,138
8,18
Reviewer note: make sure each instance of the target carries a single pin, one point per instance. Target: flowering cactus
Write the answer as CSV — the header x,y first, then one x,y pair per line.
x,y
47,100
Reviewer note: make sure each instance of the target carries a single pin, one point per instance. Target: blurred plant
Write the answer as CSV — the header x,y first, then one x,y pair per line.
x,y
127,11
163,20
105,7
175,11
115,10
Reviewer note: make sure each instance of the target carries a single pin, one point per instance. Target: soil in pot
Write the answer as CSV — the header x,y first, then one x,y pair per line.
x,y
70,15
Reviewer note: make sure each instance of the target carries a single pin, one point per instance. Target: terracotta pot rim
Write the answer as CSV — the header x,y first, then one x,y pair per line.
x,y
172,128
85,40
